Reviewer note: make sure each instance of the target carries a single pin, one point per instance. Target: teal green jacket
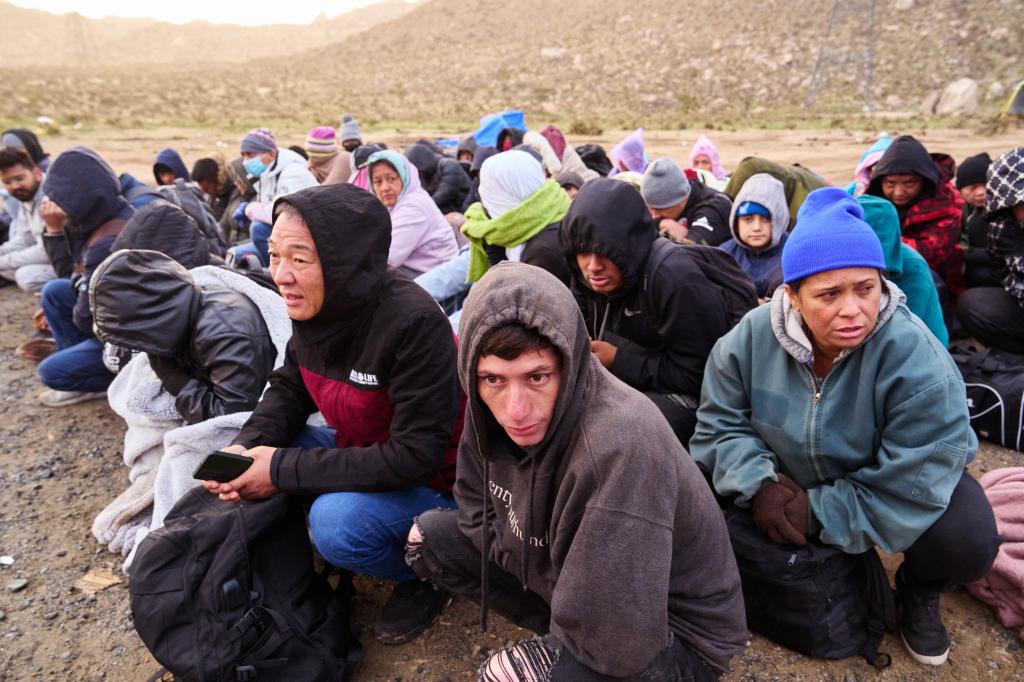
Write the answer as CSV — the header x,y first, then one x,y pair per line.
x,y
904,266
878,444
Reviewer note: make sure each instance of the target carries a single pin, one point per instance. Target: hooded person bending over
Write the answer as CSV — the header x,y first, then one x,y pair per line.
x,y
209,346
375,355
652,321
442,177
83,212
580,516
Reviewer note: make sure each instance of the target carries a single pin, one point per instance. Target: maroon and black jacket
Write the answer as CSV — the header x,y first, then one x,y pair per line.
x,y
931,224
378,360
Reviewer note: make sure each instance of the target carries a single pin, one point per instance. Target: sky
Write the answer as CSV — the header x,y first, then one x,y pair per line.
x,y
250,12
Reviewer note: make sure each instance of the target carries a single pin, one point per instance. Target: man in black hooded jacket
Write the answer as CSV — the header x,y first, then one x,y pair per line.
x,y
443,178
208,345
651,329
374,353
83,212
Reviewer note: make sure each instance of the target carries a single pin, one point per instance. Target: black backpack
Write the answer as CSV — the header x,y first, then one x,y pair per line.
x,y
227,591
995,393
188,197
718,266
813,598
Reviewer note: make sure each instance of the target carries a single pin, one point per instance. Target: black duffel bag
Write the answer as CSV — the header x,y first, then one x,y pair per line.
x,y
995,393
228,592
813,598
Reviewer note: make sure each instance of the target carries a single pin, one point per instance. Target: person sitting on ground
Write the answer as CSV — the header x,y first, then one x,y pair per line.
x,y
551,161
212,179
351,138
369,350
421,238
517,217
905,267
570,182
759,219
929,207
652,321
23,257
574,463
571,161
684,208
328,164
482,153
509,139
995,315
628,155
360,160
464,152
234,230
26,140
704,156
276,173
862,174
797,181
883,463
169,167
441,177
83,212
971,178
215,360
593,157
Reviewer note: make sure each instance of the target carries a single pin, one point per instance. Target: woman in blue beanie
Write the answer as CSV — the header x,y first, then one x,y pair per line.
x,y
838,418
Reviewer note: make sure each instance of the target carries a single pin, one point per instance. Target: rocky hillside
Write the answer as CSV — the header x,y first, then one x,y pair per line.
x,y
33,38
659,62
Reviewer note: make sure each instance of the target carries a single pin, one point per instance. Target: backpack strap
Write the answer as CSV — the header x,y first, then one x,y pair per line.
x,y
881,609
660,250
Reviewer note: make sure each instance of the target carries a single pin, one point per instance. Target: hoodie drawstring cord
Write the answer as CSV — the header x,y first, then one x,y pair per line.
x,y
485,546
604,322
529,526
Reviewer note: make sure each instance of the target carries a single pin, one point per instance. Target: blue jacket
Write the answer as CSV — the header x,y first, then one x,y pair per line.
x,y
879,444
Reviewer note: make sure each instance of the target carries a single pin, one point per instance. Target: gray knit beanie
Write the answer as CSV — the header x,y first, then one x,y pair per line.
x,y
664,184
349,129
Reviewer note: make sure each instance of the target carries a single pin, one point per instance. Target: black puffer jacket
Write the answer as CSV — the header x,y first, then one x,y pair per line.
x,y
89,192
664,324
210,347
707,215
443,178
162,226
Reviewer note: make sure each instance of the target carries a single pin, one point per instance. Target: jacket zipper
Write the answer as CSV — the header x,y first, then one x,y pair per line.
x,y
818,386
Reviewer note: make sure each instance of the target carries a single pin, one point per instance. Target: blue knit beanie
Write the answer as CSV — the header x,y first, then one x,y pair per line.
x,y
830,234
752,208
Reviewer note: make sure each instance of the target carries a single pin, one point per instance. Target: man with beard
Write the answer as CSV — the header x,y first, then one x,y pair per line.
x,y
23,258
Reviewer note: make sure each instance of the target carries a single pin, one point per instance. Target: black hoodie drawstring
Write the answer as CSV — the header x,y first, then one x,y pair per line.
x,y
486,544
604,322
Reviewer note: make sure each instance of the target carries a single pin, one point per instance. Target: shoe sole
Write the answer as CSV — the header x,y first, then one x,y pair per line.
x,y
922,658
74,401
412,634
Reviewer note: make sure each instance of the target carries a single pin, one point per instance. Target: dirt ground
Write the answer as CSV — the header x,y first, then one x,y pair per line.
x,y
59,468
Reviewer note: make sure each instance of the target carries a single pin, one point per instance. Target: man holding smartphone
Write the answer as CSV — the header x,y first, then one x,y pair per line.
x,y
376,356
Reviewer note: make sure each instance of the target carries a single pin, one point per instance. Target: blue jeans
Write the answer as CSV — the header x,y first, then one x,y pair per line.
x,y
78,363
365,532
260,233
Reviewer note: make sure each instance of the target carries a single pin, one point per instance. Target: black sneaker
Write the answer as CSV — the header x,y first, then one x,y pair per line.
x,y
412,608
921,626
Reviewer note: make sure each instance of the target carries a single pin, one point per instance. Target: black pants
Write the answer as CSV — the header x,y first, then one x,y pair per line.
x,y
960,547
993,317
451,561
680,412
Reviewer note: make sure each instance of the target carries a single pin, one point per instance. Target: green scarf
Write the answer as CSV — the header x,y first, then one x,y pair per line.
x,y
545,206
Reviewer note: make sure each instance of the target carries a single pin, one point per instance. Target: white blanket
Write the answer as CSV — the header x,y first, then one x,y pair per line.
x,y
156,430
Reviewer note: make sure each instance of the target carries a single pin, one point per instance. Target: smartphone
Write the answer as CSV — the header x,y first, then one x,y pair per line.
x,y
221,467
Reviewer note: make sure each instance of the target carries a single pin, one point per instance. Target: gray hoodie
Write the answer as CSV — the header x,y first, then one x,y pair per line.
x,y
768,191
608,519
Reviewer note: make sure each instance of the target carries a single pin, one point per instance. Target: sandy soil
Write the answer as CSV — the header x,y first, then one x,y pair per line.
x,y
59,468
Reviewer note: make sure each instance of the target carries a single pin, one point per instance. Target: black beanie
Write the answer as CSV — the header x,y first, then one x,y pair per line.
x,y
972,171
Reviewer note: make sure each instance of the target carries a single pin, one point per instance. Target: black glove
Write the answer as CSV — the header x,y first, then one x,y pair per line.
x,y
769,508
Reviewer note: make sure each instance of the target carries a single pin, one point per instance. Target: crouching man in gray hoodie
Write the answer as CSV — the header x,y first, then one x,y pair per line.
x,y
580,516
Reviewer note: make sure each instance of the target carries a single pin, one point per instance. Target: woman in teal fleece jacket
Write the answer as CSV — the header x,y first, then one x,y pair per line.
x,y
905,267
837,417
